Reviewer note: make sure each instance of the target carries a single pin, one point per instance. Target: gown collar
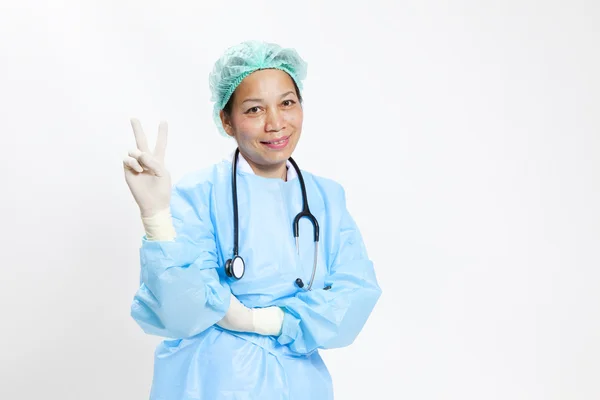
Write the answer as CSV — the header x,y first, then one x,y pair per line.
x,y
244,167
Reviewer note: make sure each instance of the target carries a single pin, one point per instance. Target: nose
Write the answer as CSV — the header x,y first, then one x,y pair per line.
x,y
274,121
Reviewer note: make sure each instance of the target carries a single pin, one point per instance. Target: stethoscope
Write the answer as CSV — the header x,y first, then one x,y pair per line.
x,y
235,266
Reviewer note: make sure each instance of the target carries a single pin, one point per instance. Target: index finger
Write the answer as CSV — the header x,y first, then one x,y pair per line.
x,y
140,138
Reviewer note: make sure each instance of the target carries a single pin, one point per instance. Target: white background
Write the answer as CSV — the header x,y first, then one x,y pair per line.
x,y
467,136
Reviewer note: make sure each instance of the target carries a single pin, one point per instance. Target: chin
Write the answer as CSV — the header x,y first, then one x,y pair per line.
x,y
276,159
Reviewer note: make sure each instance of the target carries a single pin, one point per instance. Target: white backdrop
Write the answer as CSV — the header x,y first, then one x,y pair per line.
x,y
467,137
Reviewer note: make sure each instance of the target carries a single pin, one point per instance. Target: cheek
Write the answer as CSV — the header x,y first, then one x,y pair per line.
x,y
248,128
295,118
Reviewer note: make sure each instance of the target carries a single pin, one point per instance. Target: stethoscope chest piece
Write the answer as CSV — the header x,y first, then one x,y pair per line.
x,y
235,267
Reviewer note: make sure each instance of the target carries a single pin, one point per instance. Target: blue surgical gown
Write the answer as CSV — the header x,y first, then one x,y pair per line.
x,y
184,290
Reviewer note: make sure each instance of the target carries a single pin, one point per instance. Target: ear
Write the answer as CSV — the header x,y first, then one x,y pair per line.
x,y
225,120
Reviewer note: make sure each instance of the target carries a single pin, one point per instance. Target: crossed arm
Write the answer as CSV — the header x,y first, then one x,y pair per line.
x,y
181,295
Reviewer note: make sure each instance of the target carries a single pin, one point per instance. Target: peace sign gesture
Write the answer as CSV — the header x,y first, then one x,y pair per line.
x,y
145,172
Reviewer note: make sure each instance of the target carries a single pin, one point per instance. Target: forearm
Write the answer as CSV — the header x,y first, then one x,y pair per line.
x,y
325,319
180,292
264,321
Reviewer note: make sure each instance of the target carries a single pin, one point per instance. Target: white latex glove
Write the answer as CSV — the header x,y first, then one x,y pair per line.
x,y
263,321
159,226
267,321
150,182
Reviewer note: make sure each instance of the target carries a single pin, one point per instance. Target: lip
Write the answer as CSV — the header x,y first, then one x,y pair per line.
x,y
284,140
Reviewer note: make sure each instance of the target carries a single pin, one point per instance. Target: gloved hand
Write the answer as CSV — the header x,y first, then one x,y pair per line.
x,y
267,321
263,321
150,182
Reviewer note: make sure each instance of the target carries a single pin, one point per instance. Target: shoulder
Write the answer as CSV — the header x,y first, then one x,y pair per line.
x,y
327,186
198,184
334,201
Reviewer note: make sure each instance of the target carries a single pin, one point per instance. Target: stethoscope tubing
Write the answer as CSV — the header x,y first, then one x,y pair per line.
x,y
304,213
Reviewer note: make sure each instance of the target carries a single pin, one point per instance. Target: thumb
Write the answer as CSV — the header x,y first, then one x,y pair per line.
x,y
149,163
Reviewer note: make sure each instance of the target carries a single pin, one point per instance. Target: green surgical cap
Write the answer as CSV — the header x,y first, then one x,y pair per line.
x,y
241,60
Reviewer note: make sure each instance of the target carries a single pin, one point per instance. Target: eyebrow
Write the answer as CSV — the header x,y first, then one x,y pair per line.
x,y
259,100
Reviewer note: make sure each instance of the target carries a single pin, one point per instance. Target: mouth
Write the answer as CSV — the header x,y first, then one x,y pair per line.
x,y
278,143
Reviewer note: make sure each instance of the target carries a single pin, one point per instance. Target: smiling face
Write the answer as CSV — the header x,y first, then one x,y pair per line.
x,y
265,117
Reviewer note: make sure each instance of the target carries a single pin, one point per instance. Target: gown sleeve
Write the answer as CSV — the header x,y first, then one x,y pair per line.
x,y
326,319
180,293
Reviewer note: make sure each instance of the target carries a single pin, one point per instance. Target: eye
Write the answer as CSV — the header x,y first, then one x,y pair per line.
x,y
288,103
253,110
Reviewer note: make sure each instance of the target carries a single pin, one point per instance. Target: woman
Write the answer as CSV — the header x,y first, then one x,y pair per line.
x,y
247,304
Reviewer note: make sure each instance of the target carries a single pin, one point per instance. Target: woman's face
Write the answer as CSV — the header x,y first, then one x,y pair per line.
x,y
266,119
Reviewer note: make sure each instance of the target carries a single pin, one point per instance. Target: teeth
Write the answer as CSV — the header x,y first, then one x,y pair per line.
x,y
278,142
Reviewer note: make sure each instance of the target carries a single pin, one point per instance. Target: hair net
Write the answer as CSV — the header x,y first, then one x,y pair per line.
x,y
241,60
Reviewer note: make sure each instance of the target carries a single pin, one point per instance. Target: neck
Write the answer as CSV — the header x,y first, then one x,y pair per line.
x,y
278,171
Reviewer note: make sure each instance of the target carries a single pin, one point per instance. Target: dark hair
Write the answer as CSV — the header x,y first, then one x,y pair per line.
x,y
229,105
